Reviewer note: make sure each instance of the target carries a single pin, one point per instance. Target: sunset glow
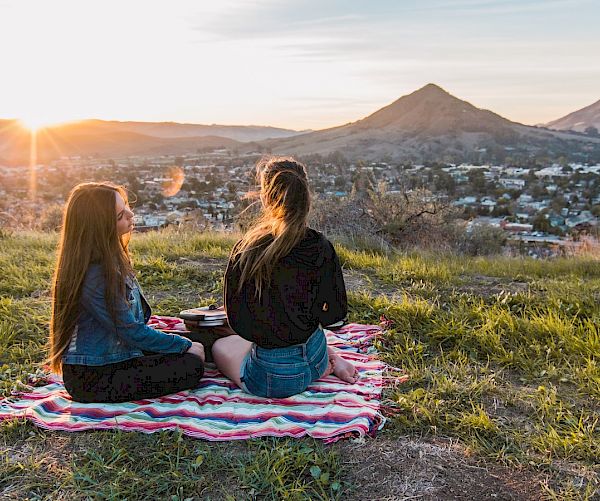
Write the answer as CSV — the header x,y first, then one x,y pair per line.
x,y
32,165
45,111
293,64
35,123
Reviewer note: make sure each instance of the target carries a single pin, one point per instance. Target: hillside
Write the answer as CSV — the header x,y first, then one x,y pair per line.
x,y
242,133
89,138
113,139
579,120
502,401
431,124
427,125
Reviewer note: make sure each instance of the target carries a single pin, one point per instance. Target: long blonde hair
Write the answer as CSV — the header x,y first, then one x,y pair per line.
x,y
285,197
89,235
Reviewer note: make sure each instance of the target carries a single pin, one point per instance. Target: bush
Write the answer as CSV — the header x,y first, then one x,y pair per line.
x,y
403,220
415,218
483,240
343,217
51,218
383,221
245,215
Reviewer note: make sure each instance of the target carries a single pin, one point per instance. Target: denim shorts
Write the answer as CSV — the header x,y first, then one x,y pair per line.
x,y
282,372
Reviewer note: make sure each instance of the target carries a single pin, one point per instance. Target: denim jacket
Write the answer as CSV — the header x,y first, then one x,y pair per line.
x,y
98,340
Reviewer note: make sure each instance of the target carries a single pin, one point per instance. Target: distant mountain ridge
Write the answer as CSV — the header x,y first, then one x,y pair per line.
x,y
113,138
72,140
243,133
579,120
429,124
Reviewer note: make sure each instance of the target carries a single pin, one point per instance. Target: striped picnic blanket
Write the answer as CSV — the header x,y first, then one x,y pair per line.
x,y
218,410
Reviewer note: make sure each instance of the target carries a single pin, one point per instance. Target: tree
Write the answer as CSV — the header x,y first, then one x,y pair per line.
x,y
337,158
362,182
445,182
340,181
537,190
134,186
541,223
557,202
592,131
501,210
477,180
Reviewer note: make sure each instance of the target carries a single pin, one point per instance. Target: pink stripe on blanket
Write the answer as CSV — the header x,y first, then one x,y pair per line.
x,y
218,410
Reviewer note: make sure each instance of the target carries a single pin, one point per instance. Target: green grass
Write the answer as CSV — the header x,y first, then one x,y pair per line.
x,y
502,354
172,245
165,465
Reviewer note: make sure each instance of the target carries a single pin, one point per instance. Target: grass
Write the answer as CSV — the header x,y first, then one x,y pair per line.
x,y
502,353
164,465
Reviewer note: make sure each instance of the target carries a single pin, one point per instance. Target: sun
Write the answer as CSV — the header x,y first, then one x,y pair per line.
x,y
35,122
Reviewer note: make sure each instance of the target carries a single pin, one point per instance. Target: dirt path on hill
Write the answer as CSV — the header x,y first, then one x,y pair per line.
x,y
363,281
409,468
478,285
383,468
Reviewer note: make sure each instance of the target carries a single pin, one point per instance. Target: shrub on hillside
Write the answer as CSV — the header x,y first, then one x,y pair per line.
x,y
383,220
346,222
51,218
407,219
245,214
340,216
482,240
196,221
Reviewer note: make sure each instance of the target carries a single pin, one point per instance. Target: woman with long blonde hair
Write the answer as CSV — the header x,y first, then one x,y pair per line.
x,y
99,339
283,283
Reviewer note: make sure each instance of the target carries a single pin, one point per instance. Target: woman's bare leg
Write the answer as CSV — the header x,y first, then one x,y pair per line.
x,y
340,367
229,353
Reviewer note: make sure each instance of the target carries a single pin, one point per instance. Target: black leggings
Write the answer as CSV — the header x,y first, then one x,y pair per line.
x,y
143,377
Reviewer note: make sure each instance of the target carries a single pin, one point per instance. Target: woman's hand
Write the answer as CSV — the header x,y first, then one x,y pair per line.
x,y
191,325
197,349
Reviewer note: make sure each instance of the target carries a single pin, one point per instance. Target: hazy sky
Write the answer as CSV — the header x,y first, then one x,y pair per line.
x,y
293,63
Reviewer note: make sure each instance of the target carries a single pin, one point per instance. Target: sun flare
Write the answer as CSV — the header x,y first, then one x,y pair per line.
x,y
35,122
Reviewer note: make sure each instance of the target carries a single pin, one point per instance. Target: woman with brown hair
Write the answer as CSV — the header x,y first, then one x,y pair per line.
x,y
99,339
282,284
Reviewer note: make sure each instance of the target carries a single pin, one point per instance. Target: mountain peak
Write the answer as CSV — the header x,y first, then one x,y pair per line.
x,y
431,87
430,93
430,110
579,120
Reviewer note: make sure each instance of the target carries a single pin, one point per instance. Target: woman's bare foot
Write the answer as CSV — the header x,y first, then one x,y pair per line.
x,y
342,368
329,369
